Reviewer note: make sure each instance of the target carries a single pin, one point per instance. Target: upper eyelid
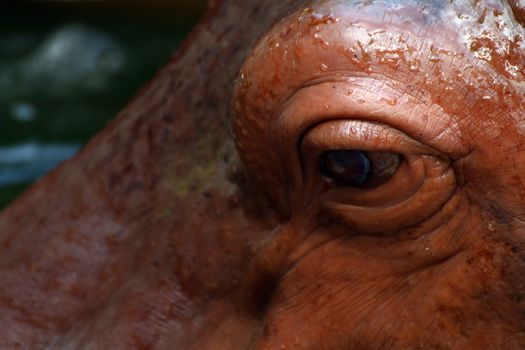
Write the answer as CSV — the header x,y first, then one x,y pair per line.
x,y
382,137
298,120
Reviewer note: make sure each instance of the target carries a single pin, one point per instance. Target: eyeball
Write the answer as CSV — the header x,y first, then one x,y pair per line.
x,y
372,177
358,168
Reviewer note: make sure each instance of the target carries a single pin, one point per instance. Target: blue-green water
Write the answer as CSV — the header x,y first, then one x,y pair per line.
x,y
65,70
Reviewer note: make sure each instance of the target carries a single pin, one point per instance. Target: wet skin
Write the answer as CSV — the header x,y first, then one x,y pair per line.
x,y
166,232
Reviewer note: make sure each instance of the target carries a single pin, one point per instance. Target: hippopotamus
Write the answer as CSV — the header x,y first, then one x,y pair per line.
x,y
304,174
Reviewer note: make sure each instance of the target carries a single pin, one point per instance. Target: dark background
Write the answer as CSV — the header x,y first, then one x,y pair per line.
x,y
68,67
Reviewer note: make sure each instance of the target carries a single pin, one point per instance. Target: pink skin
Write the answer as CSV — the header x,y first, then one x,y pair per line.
x,y
161,235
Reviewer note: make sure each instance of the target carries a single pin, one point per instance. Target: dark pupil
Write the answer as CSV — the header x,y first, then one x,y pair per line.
x,y
346,167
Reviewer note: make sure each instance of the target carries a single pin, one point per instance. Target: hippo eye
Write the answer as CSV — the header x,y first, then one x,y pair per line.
x,y
358,168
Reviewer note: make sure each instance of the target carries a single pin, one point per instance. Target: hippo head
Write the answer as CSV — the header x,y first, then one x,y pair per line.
x,y
338,174
386,134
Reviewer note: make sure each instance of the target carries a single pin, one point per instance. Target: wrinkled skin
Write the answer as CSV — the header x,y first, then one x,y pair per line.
x,y
167,233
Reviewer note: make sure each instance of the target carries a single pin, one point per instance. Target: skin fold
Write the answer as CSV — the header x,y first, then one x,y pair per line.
x,y
200,219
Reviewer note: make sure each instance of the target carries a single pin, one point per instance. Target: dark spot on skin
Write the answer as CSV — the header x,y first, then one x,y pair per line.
x,y
236,48
262,293
234,201
225,33
168,118
501,215
113,181
518,9
237,177
518,298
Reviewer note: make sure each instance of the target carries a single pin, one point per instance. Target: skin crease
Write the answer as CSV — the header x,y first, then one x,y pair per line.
x,y
167,233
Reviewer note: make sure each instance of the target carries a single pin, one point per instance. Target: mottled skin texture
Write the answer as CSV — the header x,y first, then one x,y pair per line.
x,y
166,232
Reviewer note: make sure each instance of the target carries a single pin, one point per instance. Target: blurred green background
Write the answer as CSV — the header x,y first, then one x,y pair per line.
x,y
67,68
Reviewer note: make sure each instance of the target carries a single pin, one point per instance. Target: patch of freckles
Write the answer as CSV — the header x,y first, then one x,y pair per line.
x,y
513,271
495,265
494,40
371,51
505,56
285,44
502,288
476,289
